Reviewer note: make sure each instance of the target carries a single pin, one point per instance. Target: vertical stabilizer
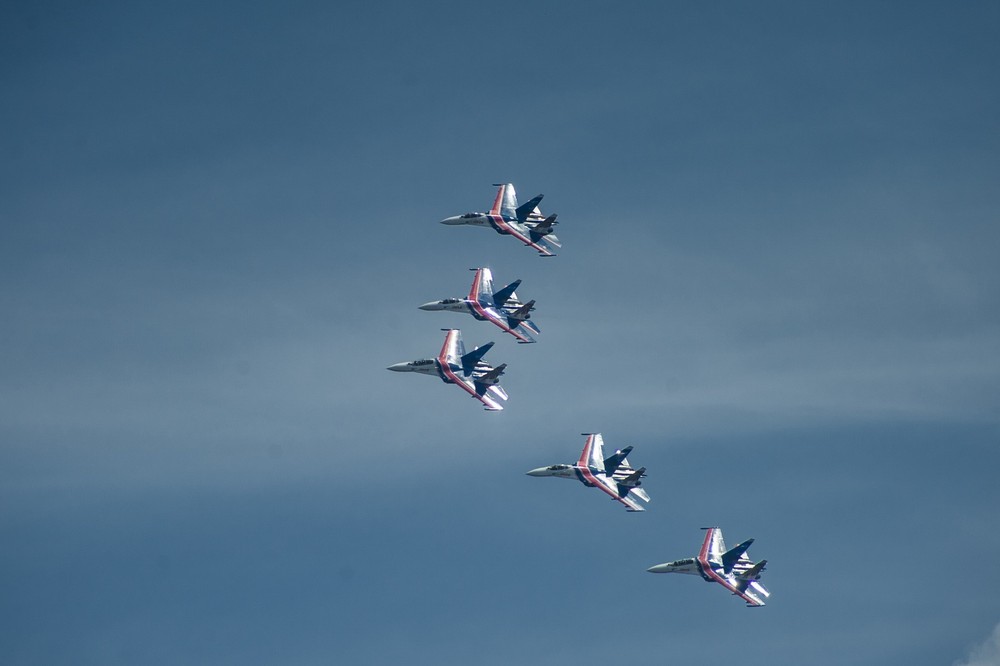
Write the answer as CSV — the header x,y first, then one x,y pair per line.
x,y
470,360
503,295
733,555
525,209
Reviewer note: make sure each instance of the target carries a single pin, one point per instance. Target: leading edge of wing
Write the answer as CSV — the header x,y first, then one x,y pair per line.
x,y
593,450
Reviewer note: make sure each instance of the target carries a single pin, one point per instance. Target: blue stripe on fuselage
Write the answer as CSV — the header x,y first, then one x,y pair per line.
x,y
583,479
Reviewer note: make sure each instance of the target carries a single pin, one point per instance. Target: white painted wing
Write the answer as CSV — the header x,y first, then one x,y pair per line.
x,y
593,452
453,349
482,286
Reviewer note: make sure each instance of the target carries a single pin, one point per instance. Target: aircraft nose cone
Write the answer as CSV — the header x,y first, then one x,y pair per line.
x,y
399,367
454,219
540,471
659,568
433,305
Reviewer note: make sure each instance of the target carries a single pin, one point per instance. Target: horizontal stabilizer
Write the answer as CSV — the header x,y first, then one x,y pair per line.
x,y
753,573
633,479
733,555
493,376
470,360
544,227
523,312
612,462
502,296
524,210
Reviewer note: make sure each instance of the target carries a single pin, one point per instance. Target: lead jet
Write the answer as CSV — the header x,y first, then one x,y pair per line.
x,y
613,474
730,568
501,308
468,371
525,222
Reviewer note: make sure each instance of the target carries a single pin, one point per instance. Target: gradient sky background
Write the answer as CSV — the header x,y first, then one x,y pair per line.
x,y
779,282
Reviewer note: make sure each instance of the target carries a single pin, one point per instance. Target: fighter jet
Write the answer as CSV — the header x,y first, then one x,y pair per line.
x,y
730,568
613,474
475,376
501,307
525,223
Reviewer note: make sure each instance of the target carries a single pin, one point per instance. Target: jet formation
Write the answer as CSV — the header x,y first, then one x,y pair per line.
x,y
612,475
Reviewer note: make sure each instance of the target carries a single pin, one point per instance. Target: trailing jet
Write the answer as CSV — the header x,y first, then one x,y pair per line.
x,y
525,222
730,568
499,307
475,376
613,474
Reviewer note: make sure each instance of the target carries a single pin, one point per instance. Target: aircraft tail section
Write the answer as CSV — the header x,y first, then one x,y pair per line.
x,y
524,210
482,286
611,463
503,295
470,360
753,573
488,385
544,228
630,485
733,555
492,376
548,242
634,479
522,313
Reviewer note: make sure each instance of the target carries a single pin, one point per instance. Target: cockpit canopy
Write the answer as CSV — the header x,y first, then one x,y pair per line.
x,y
450,301
556,468
425,361
468,216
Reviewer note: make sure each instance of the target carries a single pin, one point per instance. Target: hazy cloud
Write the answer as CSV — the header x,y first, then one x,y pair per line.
x,y
985,654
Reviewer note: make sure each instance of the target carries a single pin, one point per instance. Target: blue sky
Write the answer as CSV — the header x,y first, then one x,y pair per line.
x,y
778,282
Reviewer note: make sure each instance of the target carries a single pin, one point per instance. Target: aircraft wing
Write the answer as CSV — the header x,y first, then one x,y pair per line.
x,y
506,201
524,332
453,349
593,452
482,287
713,546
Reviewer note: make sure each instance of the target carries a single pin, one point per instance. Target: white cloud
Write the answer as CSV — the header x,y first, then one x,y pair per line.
x,y
985,654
